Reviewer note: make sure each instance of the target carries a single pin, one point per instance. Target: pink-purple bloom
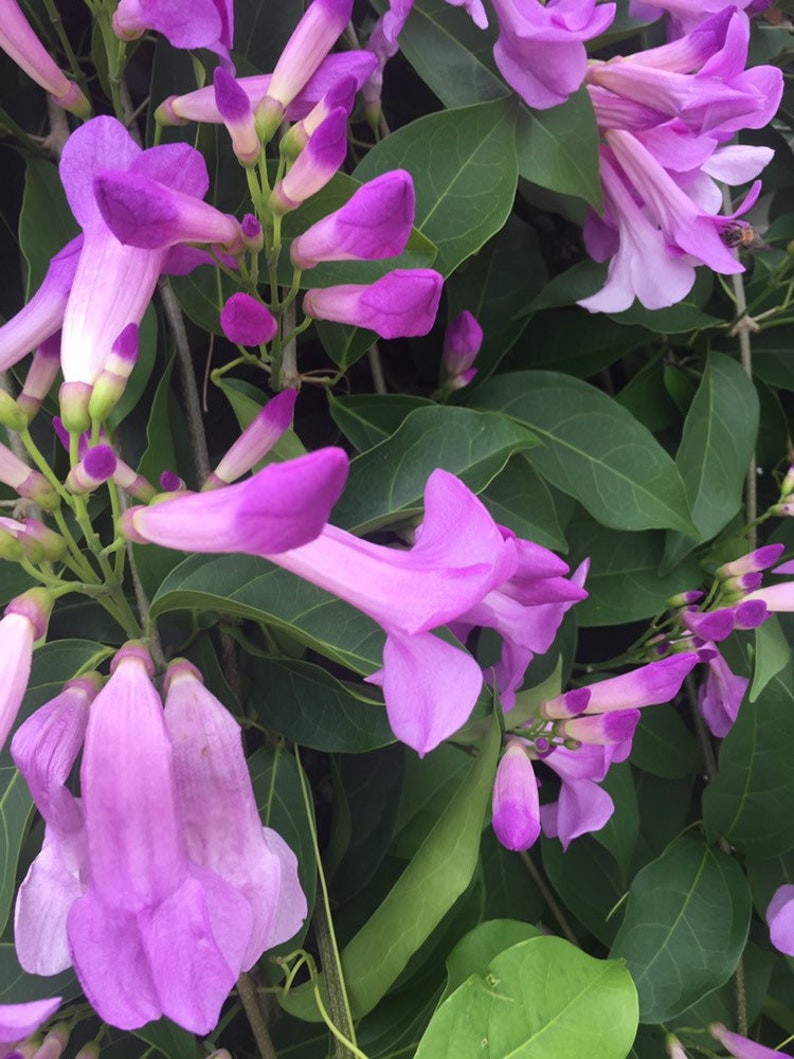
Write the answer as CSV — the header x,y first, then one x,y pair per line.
x,y
740,1047
184,23
462,342
315,165
403,303
246,321
21,44
374,223
256,440
720,695
780,917
648,685
540,50
24,621
18,1021
516,807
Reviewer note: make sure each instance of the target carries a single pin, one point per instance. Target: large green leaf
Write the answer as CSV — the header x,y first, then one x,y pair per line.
x,y
366,419
587,879
716,447
593,450
46,223
248,587
751,800
538,999
558,148
309,706
685,927
437,875
464,168
624,583
519,498
390,479
450,54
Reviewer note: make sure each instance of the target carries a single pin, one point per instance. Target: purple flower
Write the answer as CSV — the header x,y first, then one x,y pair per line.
x,y
256,440
246,321
202,104
374,223
153,934
237,115
780,917
113,284
403,303
648,685
462,341
721,695
582,805
687,14
184,23
24,621
283,506
45,749
18,1021
758,560
540,51
315,165
741,1047
429,685
21,44
223,832
516,809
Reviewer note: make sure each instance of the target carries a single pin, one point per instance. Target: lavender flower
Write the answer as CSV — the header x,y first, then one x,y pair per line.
x,y
741,1047
462,341
780,917
18,1021
256,440
24,621
315,165
184,23
246,321
516,808
403,303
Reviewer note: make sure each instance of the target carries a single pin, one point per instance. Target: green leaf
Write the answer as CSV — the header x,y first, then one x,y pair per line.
x,y
495,285
558,148
751,800
772,654
685,927
538,999
663,745
249,587
18,987
519,498
169,1039
46,223
367,419
475,950
390,479
451,55
438,874
624,584
465,172
308,706
587,879
619,834
716,447
593,449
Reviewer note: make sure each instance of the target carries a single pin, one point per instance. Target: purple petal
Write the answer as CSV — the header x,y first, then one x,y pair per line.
x,y
516,809
18,1021
102,143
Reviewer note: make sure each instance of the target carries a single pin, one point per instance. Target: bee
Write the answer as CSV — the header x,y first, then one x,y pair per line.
x,y
740,235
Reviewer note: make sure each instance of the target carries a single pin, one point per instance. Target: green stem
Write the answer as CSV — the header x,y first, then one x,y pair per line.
x,y
253,1011
57,22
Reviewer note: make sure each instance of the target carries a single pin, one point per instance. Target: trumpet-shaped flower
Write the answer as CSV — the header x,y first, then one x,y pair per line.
x,y
430,686
540,51
18,1021
221,822
197,24
283,506
45,749
374,223
401,304
153,934
24,621
113,283
742,1047
21,44
720,695
582,805
256,440
648,685
516,808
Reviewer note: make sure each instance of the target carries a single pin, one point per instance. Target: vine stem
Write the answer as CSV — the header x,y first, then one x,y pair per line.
x,y
341,1016
195,422
549,898
742,330
253,1012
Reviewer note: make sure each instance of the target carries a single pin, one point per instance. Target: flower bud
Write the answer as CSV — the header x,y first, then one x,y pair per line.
x,y
112,380
516,807
234,108
317,163
256,440
93,470
401,304
251,232
246,321
41,375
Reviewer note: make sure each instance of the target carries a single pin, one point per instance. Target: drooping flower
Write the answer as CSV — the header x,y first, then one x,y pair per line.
x,y
222,828
24,621
194,24
582,805
21,44
153,934
403,303
540,50
720,695
45,749
374,223
516,808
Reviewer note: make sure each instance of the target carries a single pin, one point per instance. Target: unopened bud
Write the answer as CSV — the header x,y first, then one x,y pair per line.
x,y
74,398
252,235
52,546
54,1043
112,380
93,470
11,415
41,375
